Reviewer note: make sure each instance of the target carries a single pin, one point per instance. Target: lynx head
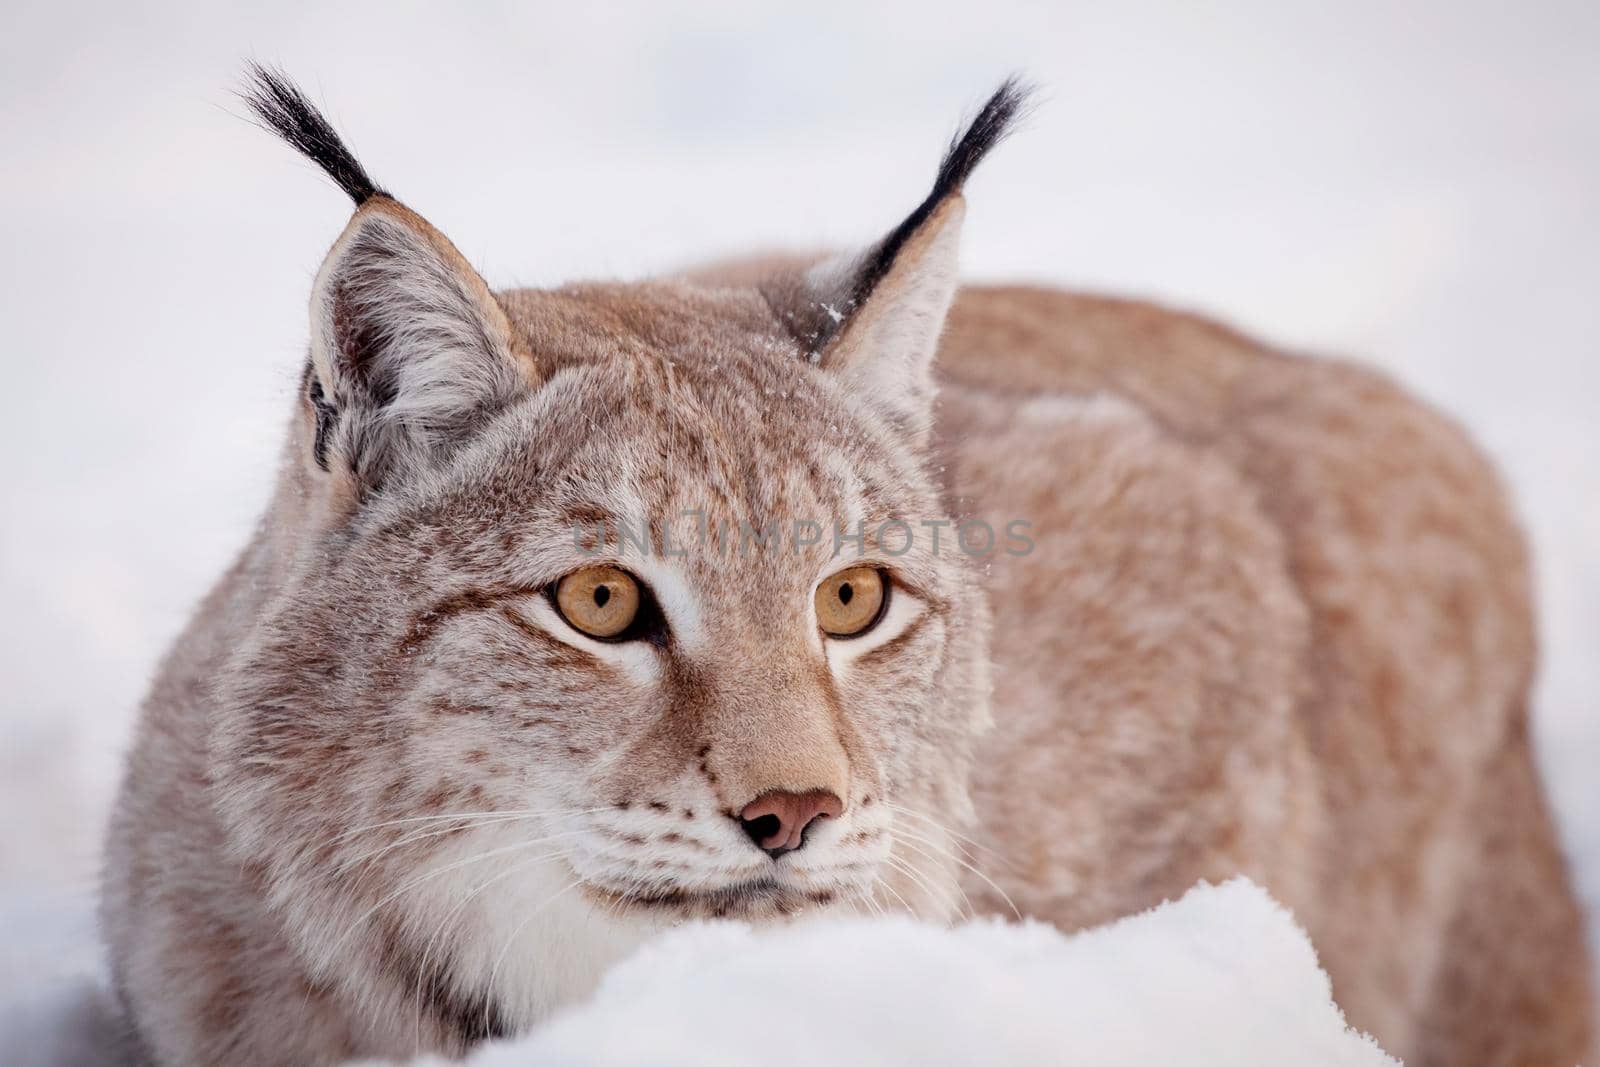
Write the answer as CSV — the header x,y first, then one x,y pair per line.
x,y
599,608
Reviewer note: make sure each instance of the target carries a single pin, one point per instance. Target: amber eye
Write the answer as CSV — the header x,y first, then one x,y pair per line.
x,y
598,601
851,602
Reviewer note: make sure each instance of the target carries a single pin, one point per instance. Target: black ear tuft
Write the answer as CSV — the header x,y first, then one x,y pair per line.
x,y
994,121
286,111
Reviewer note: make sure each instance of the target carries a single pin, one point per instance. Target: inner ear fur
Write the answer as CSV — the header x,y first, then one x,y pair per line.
x,y
411,353
885,347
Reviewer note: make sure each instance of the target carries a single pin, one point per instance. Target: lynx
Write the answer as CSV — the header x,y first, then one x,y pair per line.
x,y
578,613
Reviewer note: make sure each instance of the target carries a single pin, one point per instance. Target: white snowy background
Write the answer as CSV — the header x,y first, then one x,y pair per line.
x,y
1415,184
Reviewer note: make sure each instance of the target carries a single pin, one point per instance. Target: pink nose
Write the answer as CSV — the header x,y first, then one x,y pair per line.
x,y
777,822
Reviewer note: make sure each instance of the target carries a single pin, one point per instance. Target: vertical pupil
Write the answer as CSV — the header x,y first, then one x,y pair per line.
x,y
602,593
846,594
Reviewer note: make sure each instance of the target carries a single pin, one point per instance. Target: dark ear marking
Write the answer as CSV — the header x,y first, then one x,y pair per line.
x,y
286,111
815,310
323,411
993,123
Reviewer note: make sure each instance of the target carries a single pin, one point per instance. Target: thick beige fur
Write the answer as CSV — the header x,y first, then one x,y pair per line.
x,y
1274,621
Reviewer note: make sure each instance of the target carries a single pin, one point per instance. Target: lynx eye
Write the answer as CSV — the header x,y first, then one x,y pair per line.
x,y
851,602
598,601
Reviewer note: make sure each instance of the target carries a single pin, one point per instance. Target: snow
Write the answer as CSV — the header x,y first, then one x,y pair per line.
x,y
1222,976
54,1011
1412,184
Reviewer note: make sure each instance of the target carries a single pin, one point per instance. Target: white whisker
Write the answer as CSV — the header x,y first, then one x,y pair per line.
x,y
923,880
969,842
908,835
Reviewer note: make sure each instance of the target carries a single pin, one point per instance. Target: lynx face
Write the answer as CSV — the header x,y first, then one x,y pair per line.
x,y
590,619
419,718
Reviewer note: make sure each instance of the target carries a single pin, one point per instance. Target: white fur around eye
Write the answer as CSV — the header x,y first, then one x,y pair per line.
x,y
638,659
676,597
904,611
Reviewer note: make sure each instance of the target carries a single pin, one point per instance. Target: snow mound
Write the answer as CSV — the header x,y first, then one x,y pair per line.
x,y
1222,976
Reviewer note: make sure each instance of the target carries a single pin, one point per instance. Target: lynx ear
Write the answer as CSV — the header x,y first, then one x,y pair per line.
x,y
887,331
875,318
410,351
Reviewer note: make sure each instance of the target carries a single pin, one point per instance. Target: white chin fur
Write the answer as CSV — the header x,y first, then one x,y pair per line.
x,y
519,923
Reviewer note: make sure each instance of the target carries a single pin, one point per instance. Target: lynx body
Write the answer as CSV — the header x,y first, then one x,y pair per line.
x,y
1262,615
